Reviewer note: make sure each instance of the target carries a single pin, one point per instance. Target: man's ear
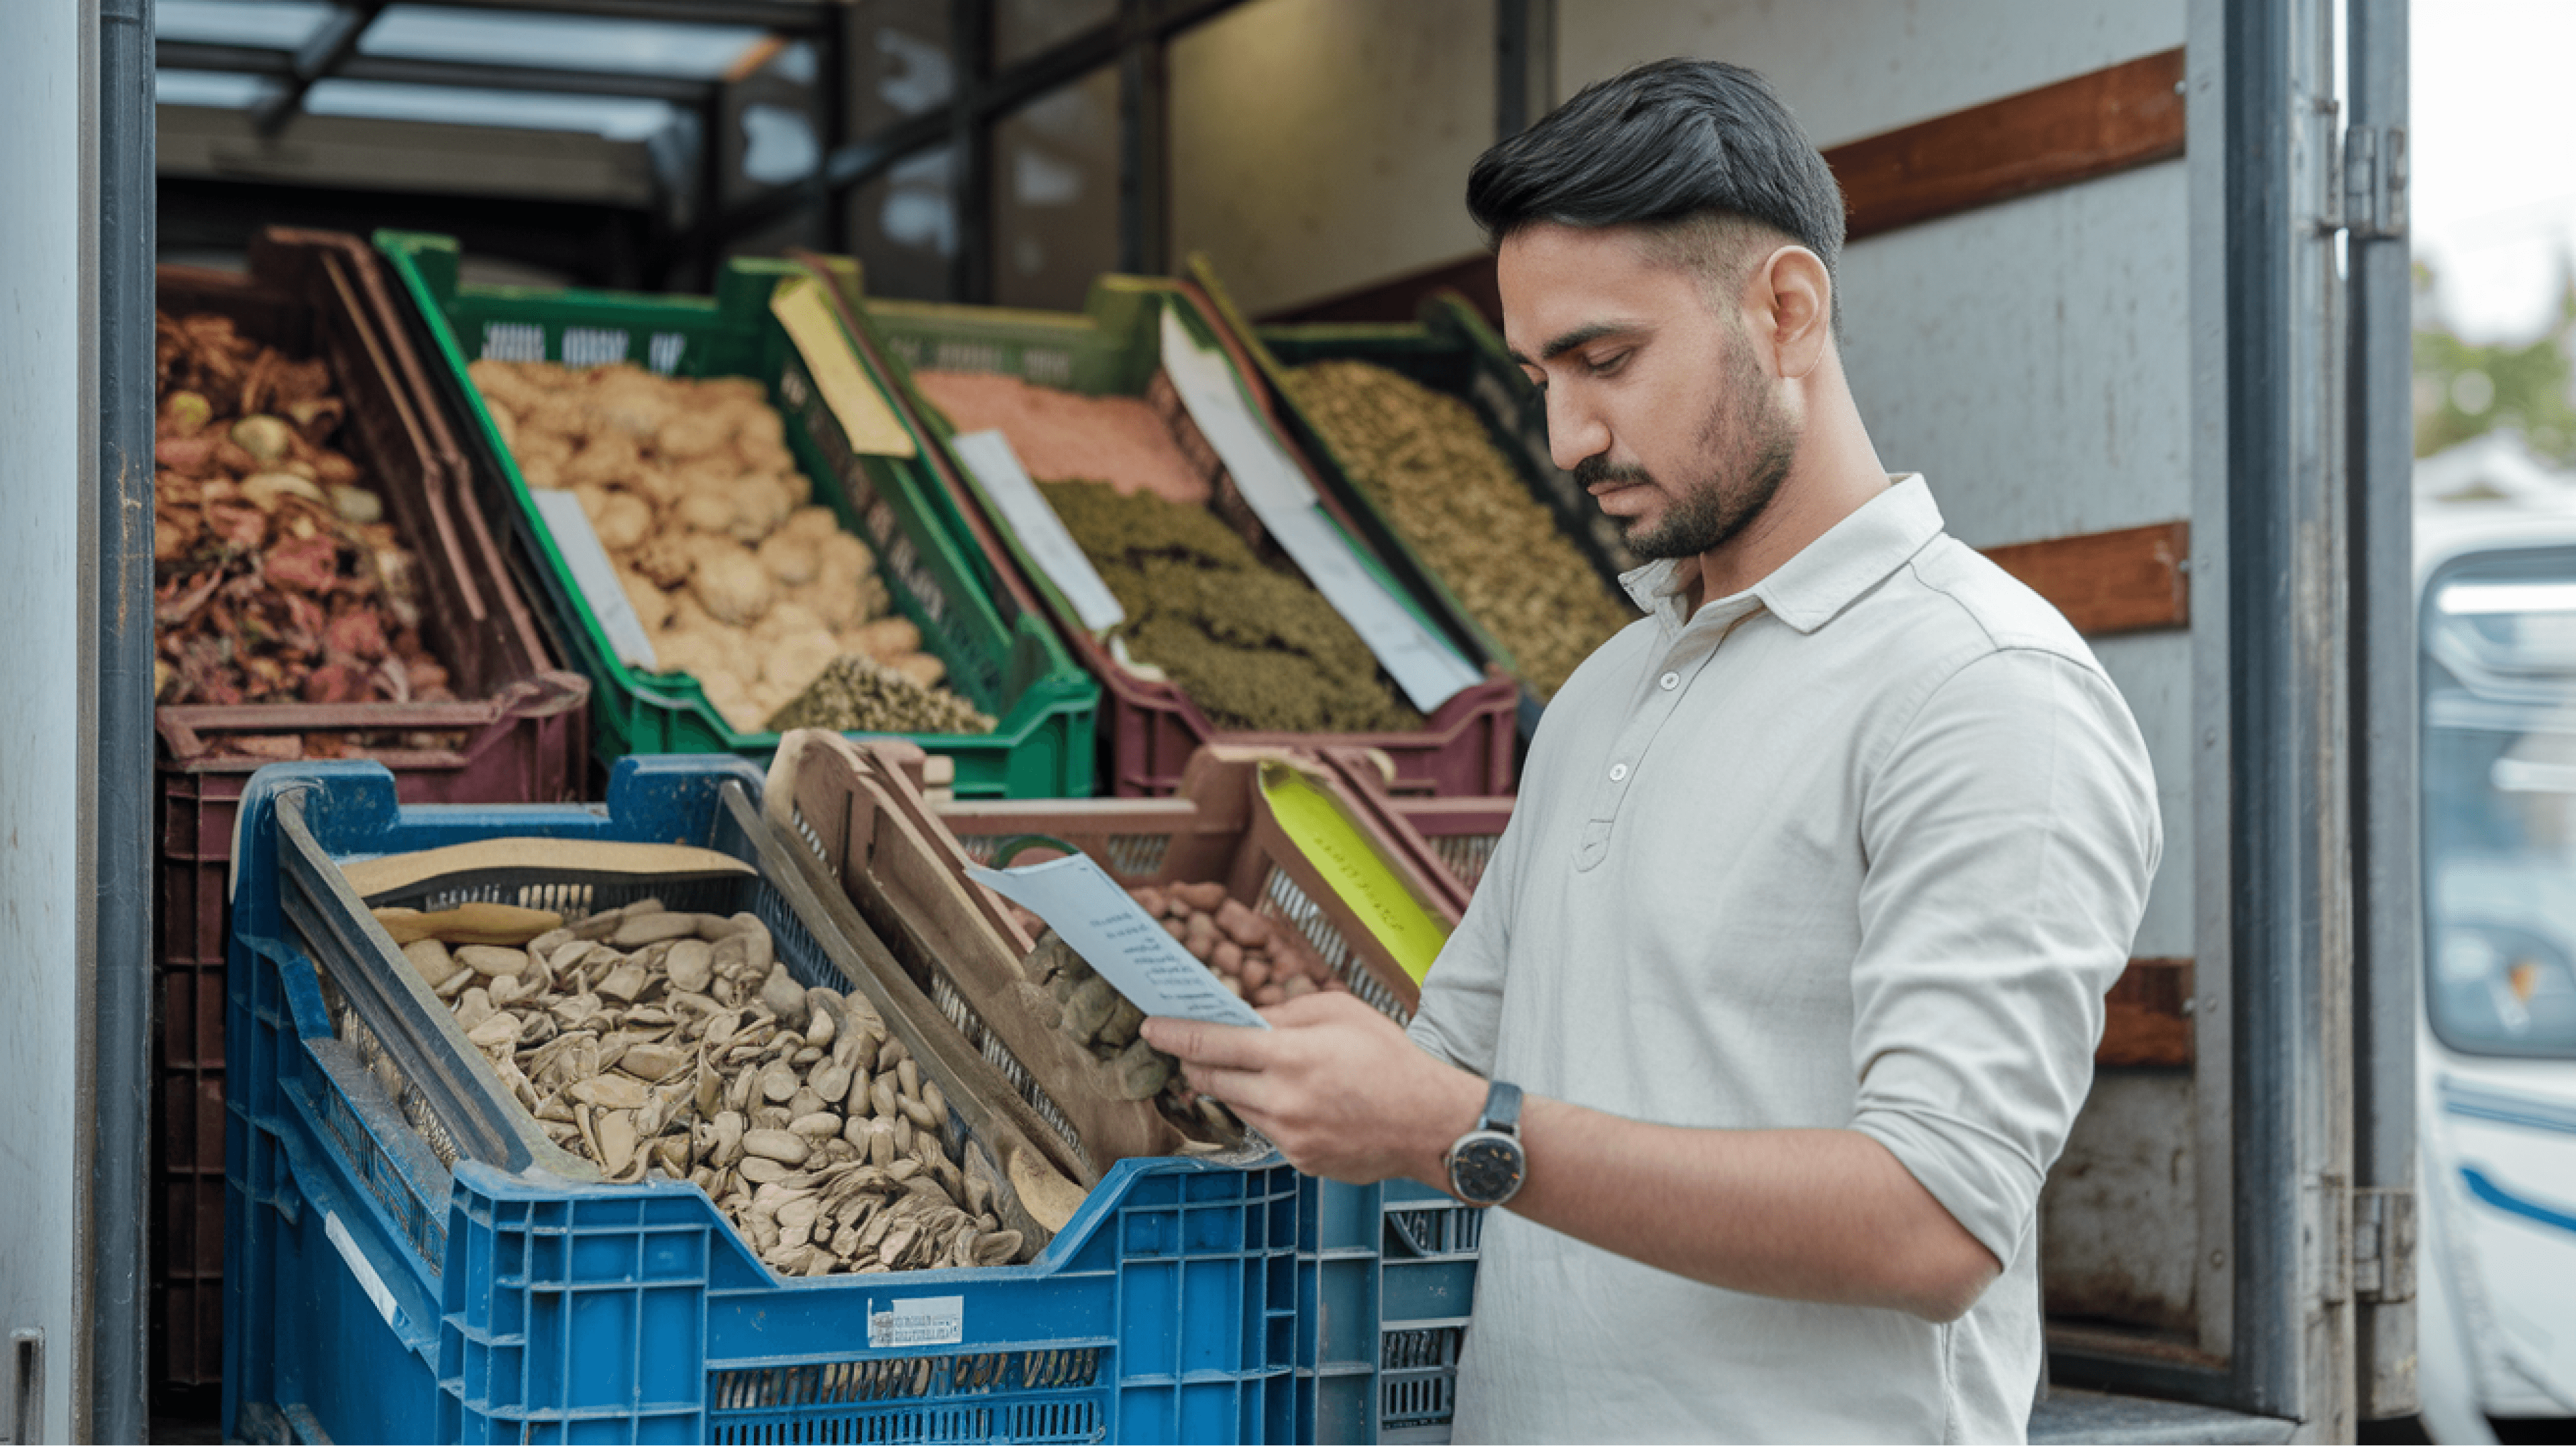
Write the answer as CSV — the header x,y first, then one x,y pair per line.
x,y
1791,305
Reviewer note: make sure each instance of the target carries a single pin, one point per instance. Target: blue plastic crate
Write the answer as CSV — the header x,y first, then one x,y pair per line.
x,y
1395,1270
405,1260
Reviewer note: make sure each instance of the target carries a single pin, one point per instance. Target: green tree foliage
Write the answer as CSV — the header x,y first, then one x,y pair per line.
x,y
2465,390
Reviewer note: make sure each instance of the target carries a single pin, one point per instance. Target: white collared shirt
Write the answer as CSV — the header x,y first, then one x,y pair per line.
x,y
1861,847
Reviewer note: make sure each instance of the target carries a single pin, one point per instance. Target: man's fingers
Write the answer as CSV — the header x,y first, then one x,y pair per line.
x,y
1243,1089
1319,1007
1234,1046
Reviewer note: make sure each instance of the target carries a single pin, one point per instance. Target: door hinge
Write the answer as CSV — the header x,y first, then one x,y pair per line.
x,y
2374,183
2383,1244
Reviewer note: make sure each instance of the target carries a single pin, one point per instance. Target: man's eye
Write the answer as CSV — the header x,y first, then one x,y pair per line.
x,y
1604,366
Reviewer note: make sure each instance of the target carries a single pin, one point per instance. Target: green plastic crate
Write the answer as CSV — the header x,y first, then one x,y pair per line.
x,y
1451,350
1113,347
1015,669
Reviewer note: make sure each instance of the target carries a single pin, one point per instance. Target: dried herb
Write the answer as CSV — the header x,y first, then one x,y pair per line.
x,y
1255,647
1426,460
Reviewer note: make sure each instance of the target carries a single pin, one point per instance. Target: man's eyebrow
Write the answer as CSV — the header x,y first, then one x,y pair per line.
x,y
1580,336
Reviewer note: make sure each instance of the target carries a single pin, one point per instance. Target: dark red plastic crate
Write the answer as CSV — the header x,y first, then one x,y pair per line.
x,y
522,723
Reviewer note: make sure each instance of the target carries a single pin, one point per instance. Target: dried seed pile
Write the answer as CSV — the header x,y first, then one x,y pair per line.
x,y
655,1041
1426,459
1254,646
738,580
277,577
858,694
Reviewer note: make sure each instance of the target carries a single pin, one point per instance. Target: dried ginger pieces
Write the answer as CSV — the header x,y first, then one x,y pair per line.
x,y
277,577
739,580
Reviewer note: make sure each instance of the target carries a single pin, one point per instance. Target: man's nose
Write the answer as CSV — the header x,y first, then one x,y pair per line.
x,y
1574,432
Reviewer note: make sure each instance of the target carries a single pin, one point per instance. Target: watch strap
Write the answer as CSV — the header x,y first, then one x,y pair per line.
x,y
1502,1108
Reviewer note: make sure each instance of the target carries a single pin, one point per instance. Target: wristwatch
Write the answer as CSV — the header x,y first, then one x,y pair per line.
x,y
1487,1165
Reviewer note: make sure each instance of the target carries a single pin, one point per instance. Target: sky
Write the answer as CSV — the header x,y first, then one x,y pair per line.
x,y
2494,159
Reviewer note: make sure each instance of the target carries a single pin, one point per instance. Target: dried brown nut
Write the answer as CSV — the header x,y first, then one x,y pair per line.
x,y
653,1061
1120,1027
431,959
690,964
784,997
784,1146
652,928
1242,925
1141,1071
610,1091
1089,1008
622,983
492,961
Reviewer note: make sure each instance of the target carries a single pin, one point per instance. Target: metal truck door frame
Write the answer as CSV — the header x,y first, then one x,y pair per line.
x,y
2308,886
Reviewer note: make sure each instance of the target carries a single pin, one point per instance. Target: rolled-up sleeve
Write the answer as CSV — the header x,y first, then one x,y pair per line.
x,y
1462,997
2009,835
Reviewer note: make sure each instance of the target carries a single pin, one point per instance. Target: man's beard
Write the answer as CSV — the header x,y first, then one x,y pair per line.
x,y
1751,446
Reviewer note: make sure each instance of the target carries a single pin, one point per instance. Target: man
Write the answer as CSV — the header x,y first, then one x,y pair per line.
x,y
1798,938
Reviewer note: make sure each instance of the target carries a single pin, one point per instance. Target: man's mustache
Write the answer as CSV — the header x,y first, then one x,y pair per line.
x,y
1595,470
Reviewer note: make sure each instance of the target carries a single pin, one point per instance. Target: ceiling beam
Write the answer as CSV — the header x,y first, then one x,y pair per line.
x,y
862,161
332,42
799,17
474,75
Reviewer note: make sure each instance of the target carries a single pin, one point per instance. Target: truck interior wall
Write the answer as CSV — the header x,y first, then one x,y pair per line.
x,y
2032,358
1317,144
43,481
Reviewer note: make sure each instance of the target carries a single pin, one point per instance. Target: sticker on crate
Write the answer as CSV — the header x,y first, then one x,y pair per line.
x,y
1359,874
934,1320
1428,670
1114,935
578,543
865,417
997,470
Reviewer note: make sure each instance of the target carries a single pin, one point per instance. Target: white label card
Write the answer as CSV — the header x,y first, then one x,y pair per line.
x,y
931,1320
1023,504
596,576
368,1280
1422,663
1115,936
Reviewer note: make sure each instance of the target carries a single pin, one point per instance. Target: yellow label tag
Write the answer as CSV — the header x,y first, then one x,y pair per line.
x,y
1360,876
862,410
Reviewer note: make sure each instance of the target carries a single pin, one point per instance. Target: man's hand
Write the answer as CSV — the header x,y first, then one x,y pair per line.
x,y
1334,1084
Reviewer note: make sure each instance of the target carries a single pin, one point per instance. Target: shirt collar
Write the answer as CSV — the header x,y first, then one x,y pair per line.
x,y
1828,574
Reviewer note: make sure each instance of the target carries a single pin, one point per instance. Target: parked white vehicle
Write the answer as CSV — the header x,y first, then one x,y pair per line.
x,y
2496,1063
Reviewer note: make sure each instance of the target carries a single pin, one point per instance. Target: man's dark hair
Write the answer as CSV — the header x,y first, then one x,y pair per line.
x,y
1661,146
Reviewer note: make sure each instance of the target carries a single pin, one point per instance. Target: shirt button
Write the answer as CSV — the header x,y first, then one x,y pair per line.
x,y
1670,681
1618,772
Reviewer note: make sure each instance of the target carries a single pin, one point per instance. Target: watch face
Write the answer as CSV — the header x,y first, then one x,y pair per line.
x,y
1486,1168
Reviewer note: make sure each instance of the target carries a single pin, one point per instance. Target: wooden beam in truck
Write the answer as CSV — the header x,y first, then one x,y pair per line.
x,y
2094,125
2132,580
2147,1016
